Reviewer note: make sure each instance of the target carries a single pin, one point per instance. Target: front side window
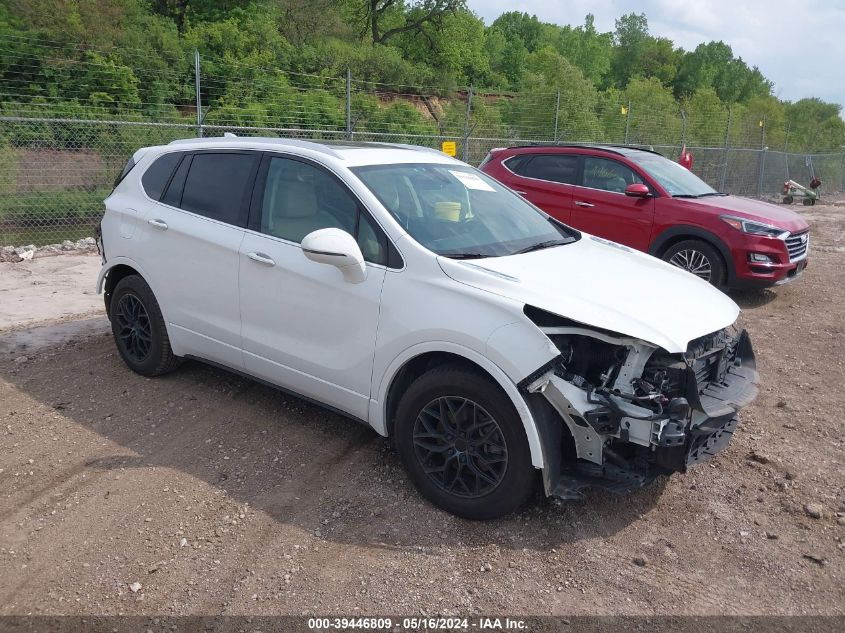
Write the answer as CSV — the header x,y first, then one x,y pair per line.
x,y
217,184
300,198
608,175
456,211
561,168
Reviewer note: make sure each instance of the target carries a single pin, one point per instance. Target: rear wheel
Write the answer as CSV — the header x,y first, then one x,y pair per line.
x,y
139,330
463,444
698,258
788,199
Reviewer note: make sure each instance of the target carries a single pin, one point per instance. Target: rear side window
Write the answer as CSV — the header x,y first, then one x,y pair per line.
x,y
562,168
158,174
217,186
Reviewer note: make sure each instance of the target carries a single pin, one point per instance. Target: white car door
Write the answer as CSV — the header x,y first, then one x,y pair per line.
x,y
190,243
303,326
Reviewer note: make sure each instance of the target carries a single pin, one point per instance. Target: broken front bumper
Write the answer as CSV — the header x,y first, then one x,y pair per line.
x,y
625,446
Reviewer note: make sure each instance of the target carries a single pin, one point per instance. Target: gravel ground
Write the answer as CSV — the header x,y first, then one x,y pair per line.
x,y
47,289
205,493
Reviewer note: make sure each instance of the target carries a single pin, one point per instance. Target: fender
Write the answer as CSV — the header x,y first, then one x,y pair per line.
x,y
378,411
687,230
126,261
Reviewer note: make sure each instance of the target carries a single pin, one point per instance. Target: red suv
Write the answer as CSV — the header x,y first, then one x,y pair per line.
x,y
644,200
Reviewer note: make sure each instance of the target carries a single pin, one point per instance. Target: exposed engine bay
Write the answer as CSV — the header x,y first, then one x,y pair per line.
x,y
632,410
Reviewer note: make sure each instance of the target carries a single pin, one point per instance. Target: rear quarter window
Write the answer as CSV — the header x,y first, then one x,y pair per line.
x,y
158,174
561,168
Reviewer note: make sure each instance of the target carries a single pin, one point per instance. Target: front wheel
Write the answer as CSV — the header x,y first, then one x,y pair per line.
x,y
463,444
138,328
698,258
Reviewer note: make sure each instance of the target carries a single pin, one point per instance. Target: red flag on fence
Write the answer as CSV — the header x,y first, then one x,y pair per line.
x,y
686,159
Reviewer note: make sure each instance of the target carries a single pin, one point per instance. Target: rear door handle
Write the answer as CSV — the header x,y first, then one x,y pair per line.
x,y
581,203
159,224
522,193
261,258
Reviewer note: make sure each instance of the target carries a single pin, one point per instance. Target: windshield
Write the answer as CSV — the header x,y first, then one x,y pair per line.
x,y
456,211
677,180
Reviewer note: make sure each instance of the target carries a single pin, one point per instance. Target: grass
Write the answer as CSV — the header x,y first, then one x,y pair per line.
x,y
48,217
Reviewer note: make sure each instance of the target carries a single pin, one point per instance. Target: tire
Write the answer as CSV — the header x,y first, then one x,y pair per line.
x,y
788,199
698,256
809,202
497,447
138,328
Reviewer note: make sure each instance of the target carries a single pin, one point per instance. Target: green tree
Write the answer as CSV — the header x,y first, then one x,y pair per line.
x,y
815,125
533,113
655,116
588,49
713,65
525,28
385,19
455,48
707,118
631,38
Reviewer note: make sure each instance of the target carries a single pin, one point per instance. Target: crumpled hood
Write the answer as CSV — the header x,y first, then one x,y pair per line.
x,y
605,285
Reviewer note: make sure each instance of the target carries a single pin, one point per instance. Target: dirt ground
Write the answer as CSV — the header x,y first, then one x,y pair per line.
x,y
220,496
47,289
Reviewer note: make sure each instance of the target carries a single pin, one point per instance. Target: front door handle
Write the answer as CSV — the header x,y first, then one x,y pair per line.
x,y
581,203
159,224
522,193
261,258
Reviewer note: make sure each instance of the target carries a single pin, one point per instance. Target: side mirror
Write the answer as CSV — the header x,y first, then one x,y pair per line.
x,y
337,248
637,190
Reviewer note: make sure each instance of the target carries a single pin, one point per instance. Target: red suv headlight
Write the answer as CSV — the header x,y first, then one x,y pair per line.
x,y
754,228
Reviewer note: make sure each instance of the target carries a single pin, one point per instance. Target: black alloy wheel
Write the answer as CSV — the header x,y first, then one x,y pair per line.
x,y
460,447
135,335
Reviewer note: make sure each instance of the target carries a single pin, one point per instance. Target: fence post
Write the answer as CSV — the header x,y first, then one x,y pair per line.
x,y
557,113
727,152
627,121
197,87
683,127
466,126
348,104
762,169
786,150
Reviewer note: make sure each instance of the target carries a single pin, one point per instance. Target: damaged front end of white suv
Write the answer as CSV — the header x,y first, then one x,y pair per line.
x,y
632,410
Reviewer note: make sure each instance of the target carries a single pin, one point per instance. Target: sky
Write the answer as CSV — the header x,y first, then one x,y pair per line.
x,y
797,44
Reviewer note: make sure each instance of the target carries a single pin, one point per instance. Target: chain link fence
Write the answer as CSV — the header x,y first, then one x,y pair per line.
x,y
59,154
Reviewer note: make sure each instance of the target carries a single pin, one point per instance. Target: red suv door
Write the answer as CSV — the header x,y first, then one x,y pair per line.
x,y
545,180
601,207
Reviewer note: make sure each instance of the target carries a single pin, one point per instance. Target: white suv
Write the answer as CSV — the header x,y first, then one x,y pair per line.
x,y
419,296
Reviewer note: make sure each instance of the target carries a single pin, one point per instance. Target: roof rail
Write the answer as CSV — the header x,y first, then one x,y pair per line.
x,y
264,140
607,147
408,146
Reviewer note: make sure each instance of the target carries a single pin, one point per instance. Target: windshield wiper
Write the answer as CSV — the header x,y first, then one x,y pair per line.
x,y
685,195
464,255
712,193
541,245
